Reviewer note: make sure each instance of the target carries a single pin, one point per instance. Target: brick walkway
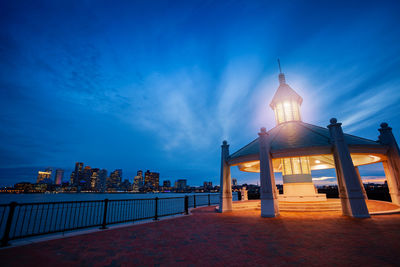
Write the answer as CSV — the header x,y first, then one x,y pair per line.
x,y
237,239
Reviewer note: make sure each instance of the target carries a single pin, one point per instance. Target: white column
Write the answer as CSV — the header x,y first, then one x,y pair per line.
x,y
225,191
346,210
269,202
361,183
392,182
351,193
392,165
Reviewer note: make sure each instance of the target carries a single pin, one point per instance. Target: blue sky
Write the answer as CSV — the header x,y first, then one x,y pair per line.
x,y
159,84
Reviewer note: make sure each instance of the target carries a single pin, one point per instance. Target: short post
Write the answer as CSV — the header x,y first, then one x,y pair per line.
x,y
6,236
156,209
209,201
186,205
194,201
104,225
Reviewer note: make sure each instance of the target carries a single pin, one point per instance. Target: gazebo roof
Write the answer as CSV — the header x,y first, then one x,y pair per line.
x,y
285,92
299,135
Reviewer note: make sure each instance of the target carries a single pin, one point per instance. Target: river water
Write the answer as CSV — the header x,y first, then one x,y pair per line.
x,y
34,198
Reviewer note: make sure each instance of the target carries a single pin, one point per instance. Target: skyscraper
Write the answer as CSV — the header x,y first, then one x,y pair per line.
x,y
94,179
155,178
77,173
72,178
115,179
85,178
152,179
59,176
101,186
147,178
125,185
181,184
138,181
43,176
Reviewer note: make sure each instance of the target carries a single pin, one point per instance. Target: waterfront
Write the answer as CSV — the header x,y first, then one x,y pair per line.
x,y
26,219
240,238
34,198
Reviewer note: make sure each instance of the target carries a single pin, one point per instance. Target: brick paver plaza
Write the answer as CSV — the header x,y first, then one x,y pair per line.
x,y
207,238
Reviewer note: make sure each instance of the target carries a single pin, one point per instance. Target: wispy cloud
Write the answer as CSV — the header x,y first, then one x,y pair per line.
x,y
329,180
238,79
173,109
182,110
362,110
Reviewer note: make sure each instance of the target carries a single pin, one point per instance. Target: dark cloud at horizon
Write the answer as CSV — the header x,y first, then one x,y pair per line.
x,y
159,84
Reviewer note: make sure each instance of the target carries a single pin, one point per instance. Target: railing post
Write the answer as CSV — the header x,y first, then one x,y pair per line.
x,y
104,225
6,236
186,205
209,201
156,209
194,201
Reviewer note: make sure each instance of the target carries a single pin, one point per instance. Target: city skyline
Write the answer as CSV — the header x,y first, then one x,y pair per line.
x,y
164,89
86,179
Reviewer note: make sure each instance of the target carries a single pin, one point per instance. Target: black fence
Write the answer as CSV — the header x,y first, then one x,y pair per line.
x,y
21,220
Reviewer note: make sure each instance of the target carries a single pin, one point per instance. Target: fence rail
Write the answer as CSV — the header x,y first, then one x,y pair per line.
x,y
21,220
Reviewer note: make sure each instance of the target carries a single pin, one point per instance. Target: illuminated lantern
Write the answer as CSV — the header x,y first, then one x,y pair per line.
x,y
296,171
286,103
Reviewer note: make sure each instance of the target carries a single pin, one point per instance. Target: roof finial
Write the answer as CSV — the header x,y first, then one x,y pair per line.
x,y
282,79
279,64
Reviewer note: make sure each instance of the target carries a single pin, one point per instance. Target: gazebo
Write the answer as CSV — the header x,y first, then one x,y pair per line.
x,y
295,148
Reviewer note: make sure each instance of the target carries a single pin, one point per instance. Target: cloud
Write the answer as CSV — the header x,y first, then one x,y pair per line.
x,y
236,83
183,110
173,108
324,180
368,107
374,179
329,180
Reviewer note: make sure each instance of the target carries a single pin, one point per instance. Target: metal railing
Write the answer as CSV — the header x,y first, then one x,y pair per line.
x,y
21,220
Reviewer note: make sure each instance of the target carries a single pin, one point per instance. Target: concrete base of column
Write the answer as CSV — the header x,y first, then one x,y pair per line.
x,y
225,204
354,207
269,208
359,208
392,182
395,198
346,209
361,183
